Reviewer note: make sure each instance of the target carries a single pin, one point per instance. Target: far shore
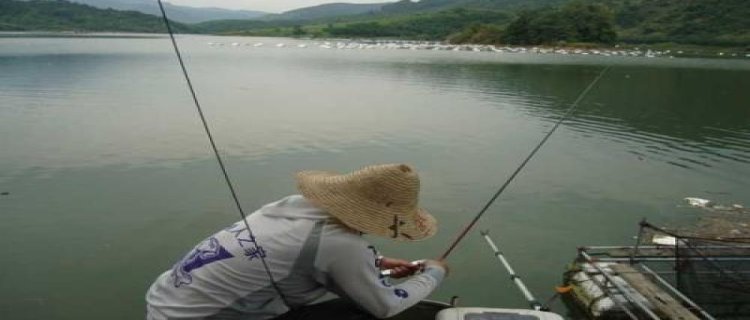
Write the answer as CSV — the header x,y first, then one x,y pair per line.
x,y
78,34
647,49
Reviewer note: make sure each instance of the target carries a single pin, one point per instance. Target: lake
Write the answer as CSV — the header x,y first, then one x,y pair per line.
x,y
109,179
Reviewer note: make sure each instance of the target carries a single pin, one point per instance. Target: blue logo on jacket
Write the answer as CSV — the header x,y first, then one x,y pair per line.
x,y
204,253
401,293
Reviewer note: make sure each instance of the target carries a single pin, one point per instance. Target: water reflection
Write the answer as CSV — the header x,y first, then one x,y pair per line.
x,y
270,101
99,141
685,117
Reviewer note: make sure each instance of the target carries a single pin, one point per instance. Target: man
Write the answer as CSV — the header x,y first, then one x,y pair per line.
x,y
304,246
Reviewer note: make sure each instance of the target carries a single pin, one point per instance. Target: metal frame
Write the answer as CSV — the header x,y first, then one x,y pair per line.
x,y
637,255
676,292
644,309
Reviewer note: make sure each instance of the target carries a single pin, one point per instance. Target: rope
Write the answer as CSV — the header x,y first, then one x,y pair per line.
x,y
257,248
489,203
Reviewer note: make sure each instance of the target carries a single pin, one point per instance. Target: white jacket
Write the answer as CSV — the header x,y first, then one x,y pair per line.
x,y
308,253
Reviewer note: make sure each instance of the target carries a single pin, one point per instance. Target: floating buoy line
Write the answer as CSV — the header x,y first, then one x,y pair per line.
x,y
351,44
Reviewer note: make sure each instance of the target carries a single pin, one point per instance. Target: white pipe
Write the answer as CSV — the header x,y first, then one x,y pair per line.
x,y
516,279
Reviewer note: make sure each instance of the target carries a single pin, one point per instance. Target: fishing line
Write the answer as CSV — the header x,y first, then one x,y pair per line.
x,y
258,249
489,203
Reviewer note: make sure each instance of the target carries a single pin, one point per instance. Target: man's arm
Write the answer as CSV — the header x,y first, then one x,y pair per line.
x,y
353,269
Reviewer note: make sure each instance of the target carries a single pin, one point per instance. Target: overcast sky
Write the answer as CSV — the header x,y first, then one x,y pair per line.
x,y
264,5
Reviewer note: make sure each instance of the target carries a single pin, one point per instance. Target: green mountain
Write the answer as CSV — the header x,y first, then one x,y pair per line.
x,y
426,26
248,27
329,10
57,15
182,14
573,22
408,6
702,22
707,22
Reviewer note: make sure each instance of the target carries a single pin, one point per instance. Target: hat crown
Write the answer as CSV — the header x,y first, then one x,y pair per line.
x,y
391,186
379,199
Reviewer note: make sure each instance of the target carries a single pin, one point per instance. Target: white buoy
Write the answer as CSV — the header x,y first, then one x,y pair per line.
x,y
698,202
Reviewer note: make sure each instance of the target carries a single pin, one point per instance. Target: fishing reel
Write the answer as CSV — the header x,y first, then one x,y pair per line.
x,y
415,263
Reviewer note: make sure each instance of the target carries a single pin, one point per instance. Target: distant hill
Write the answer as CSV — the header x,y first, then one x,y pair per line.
x,y
409,6
720,22
425,26
706,22
329,10
703,22
183,14
57,15
239,26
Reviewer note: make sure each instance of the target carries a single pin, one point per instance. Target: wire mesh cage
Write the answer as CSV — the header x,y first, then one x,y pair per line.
x,y
714,272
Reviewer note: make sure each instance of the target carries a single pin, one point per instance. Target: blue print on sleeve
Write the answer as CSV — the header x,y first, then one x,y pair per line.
x,y
204,253
401,293
246,242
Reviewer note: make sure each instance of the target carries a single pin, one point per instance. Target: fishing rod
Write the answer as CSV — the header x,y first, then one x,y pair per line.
x,y
489,203
533,302
228,181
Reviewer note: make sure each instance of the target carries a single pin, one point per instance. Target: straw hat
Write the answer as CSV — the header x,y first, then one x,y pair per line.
x,y
380,200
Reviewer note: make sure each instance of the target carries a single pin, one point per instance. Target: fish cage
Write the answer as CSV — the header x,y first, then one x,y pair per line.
x,y
665,275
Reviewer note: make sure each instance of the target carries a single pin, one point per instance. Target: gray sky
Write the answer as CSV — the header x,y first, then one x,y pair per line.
x,y
264,5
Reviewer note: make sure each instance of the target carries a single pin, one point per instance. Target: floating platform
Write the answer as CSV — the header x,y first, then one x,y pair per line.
x,y
680,278
606,289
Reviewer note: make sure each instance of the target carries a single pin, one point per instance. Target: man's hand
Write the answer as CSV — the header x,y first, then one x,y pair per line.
x,y
399,268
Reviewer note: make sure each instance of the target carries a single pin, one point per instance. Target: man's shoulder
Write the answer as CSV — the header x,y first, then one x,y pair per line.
x,y
341,246
337,235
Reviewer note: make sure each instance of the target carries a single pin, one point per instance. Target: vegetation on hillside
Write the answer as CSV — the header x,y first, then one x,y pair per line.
x,y
703,22
41,15
706,22
574,22
329,10
184,14
432,26
409,7
237,26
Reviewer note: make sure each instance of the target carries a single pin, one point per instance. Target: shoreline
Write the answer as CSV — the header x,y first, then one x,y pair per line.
x,y
79,34
649,50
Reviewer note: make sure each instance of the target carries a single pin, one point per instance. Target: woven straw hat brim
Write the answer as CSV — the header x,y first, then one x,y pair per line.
x,y
331,192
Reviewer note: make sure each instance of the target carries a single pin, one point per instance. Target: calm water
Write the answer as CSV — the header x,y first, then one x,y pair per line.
x,y
110,179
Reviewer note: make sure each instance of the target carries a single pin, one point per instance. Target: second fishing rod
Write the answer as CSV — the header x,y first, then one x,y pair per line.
x,y
523,164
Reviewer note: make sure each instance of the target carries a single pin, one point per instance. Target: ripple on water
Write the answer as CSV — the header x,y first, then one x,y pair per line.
x,y
732,146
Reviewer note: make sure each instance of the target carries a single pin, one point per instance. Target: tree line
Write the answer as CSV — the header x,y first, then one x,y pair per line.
x,y
703,22
57,15
575,22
